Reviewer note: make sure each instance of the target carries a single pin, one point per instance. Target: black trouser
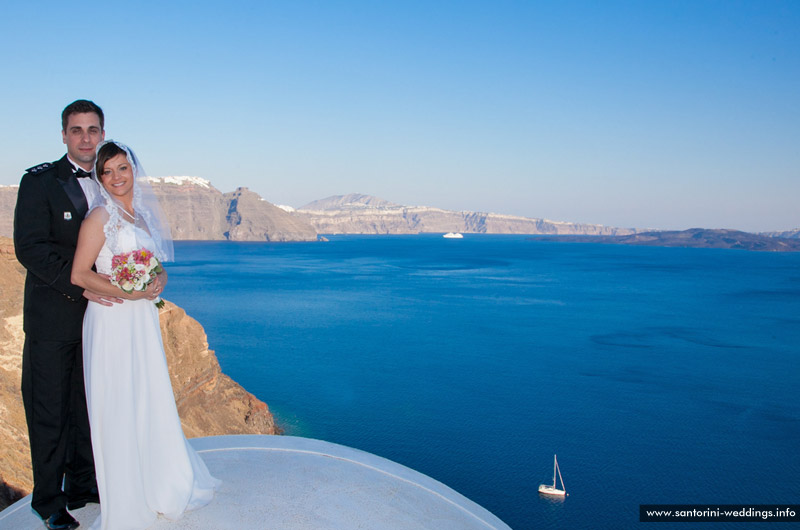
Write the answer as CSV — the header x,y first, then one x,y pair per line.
x,y
58,423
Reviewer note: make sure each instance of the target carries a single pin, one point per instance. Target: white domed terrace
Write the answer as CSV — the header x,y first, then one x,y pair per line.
x,y
296,483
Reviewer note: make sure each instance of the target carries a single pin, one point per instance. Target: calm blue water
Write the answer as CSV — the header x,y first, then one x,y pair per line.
x,y
658,375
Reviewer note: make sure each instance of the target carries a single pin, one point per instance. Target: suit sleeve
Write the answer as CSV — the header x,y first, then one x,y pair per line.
x,y
35,251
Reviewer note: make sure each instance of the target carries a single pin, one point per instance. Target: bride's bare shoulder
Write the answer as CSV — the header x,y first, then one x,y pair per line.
x,y
96,217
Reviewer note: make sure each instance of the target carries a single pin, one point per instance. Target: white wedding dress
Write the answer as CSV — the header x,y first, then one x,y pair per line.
x,y
145,467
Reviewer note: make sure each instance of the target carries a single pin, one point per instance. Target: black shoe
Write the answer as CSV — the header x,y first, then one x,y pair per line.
x,y
83,500
61,520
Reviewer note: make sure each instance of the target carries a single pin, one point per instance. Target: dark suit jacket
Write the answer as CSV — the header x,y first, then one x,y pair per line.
x,y
47,219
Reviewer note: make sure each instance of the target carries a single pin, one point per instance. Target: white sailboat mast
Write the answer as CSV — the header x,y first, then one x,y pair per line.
x,y
559,476
555,467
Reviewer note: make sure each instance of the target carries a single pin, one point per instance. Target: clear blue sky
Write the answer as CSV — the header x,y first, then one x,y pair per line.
x,y
668,114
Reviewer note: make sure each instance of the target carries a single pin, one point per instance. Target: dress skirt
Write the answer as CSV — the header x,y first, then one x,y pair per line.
x,y
145,466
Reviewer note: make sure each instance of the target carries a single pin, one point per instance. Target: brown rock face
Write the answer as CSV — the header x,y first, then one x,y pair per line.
x,y
194,211
198,211
8,200
251,218
15,457
209,402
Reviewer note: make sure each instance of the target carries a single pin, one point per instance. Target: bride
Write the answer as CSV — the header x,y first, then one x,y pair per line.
x,y
145,466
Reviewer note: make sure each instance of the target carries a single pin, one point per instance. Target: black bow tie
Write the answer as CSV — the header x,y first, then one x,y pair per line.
x,y
81,174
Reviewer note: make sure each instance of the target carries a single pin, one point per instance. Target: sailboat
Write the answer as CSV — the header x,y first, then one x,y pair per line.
x,y
553,490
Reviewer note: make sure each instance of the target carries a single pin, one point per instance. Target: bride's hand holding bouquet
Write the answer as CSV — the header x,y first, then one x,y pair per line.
x,y
137,270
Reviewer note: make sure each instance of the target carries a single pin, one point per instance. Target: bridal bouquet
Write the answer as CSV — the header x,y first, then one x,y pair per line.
x,y
133,271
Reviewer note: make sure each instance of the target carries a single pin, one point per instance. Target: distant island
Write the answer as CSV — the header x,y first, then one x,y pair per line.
x,y
198,211
693,238
365,214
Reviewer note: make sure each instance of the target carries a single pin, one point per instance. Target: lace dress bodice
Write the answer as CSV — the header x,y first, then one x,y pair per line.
x,y
128,238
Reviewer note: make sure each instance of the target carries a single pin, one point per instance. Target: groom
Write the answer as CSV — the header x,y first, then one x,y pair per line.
x,y
51,203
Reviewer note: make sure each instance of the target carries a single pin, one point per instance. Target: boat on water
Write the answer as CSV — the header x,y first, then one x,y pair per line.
x,y
547,489
453,235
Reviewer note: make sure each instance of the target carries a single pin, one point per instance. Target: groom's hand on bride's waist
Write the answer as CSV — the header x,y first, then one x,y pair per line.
x,y
101,298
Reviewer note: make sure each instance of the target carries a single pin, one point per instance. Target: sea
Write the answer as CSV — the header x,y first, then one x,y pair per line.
x,y
657,375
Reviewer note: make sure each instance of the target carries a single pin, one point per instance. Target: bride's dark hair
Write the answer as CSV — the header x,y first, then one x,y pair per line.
x,y
106,153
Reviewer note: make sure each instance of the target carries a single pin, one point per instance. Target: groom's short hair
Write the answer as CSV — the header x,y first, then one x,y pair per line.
x,y
78,107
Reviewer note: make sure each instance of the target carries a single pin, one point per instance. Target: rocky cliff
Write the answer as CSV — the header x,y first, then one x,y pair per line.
x,y
198,211
363,214
195,209
251,218
15,475
209,402
8,199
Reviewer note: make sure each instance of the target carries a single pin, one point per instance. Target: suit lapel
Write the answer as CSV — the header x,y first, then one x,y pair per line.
x,y
72,188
